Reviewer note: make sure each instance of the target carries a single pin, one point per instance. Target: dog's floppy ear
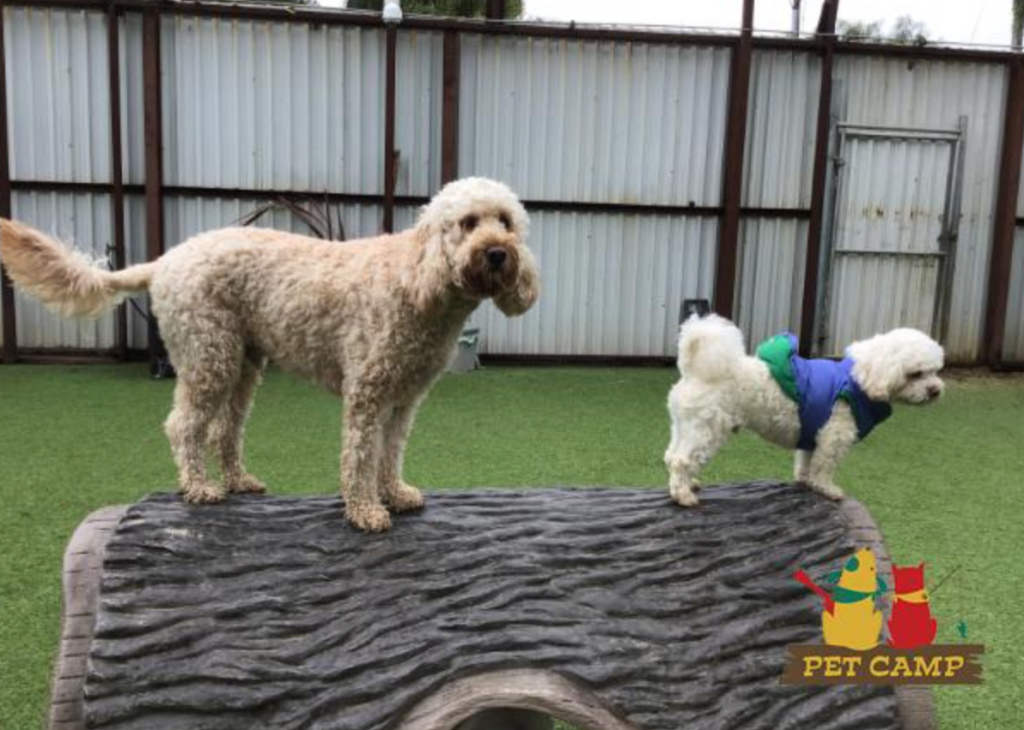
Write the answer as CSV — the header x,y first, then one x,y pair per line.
x,y
523,294
875,372
432,271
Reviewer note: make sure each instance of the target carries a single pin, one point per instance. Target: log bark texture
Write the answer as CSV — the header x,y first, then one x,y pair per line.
x,y
269,612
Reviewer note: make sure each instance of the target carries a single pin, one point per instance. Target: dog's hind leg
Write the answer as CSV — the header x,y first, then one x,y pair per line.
x,y
398,495
362,447
228,431
208,360
695,441
195,407
835,440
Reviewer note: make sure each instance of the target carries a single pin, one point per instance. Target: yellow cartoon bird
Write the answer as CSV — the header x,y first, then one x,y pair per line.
x,y
850,618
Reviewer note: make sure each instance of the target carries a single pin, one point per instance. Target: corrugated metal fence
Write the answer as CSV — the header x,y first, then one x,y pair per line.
x,y
616,138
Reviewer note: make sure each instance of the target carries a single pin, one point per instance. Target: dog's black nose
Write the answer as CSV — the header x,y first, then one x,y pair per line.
x,y
496,257
934,392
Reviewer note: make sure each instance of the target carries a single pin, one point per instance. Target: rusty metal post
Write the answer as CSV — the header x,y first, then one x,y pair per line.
x,y
116,171
1005,216
808,312
153,133
10,326
495,9
732,182
390,156
450,108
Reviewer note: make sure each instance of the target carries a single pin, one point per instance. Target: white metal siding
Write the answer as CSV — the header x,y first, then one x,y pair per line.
x,y
58,99
781,125
82,220
770,277
932,94
596,122
418,100
611,285
286,106
133,118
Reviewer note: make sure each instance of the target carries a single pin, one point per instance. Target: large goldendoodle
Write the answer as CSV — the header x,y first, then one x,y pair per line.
x,y
374,321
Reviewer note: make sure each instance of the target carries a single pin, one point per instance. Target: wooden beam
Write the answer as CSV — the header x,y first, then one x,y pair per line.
x,y
732,182
117,171
10,322
450,108
495,9
153,133
808,310
1005,216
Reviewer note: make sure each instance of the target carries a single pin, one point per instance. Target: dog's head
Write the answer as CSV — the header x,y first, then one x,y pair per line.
x,y
474,241
900,366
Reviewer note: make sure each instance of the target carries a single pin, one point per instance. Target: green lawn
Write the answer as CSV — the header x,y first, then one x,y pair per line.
x,y
944,483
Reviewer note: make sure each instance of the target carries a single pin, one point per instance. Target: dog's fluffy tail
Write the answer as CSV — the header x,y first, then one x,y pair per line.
x,y
710,348
66,280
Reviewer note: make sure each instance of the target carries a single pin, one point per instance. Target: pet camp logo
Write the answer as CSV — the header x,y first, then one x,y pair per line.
x,y
851,625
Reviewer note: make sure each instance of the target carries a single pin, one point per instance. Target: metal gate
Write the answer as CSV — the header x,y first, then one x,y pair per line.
x,y
895,207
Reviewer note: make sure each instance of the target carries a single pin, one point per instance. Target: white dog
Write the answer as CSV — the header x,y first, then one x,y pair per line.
x,y
820,408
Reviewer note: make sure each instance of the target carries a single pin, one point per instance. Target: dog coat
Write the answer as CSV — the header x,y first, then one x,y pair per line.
x,y
815,386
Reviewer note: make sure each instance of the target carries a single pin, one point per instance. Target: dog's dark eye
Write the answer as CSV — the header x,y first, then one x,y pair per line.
x,y
470,222
916,374
505,221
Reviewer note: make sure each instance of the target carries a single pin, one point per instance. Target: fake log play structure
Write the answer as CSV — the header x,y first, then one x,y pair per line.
x,y
611,609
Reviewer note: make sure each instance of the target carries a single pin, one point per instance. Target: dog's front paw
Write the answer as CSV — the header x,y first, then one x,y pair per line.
x,y
245,484
404,498
683,495
368,517
203,493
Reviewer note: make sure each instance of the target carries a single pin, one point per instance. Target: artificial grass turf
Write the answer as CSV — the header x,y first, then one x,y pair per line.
x,y
944,483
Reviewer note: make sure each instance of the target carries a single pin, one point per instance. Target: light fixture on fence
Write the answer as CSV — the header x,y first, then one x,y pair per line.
x,y
392,14
700,307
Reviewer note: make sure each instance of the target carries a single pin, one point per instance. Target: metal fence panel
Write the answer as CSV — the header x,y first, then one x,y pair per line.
x,y
934,95
133,140
82,220
770,279
58,96
286,106
611,285
594,121
418,98
781,129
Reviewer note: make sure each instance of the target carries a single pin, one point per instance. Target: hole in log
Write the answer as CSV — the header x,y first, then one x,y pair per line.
x,y
518,699
506,718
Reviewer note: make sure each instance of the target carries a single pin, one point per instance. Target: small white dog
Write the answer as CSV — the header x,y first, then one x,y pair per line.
x,y
820,408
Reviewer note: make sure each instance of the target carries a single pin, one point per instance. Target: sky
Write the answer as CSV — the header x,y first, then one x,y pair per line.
x,y
980,21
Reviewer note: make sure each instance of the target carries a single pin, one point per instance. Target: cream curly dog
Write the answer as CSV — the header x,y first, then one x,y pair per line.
x,y
818,408
374,321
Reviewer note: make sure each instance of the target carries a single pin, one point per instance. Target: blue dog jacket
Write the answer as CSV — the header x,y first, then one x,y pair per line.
x,y
815,386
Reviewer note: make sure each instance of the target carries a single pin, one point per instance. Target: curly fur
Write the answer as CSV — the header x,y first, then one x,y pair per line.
x,y
722,390
374,321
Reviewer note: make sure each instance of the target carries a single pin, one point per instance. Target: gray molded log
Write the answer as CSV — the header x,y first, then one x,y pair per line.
x,y
613,609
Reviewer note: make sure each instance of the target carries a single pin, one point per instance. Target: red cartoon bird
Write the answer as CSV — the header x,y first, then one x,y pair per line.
x,y
911,623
